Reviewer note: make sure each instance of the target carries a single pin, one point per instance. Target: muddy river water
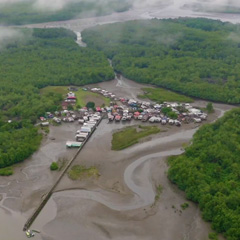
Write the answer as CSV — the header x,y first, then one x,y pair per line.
x,y
121,203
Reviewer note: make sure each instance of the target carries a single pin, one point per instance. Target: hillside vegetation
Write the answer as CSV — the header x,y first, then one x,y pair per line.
x,y
47,57
196,57
209,173
25,12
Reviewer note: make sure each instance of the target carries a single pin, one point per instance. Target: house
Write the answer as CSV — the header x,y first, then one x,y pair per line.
x,y
194,111
71,98
65,105
98,109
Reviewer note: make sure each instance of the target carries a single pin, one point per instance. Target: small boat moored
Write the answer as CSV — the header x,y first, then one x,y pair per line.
x,y
30,233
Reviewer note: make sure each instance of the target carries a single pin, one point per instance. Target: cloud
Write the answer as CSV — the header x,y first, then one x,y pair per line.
x,y
181,3
52,5
55,5
8,35
234,37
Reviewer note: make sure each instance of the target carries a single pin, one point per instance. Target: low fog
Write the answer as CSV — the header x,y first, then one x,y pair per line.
x,y
59,4
8,35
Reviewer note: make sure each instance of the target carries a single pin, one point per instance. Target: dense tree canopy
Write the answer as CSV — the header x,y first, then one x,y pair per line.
x,y
48,57
209,173
24,12
197,57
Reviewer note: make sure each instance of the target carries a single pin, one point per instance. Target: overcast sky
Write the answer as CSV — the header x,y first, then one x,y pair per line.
x,y
59,4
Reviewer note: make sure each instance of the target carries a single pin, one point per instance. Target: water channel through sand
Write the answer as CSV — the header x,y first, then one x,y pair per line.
x,y
21,193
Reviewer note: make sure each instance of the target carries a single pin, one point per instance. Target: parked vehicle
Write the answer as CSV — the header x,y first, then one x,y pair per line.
x,y
45,124
81,121
118,118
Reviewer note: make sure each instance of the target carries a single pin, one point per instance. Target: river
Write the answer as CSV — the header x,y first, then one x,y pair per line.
x,y
148,12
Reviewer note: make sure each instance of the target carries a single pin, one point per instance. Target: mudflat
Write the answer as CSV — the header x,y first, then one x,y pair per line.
x,y
120,204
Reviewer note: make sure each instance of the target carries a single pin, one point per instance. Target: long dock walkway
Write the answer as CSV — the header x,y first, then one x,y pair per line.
x,y
49,193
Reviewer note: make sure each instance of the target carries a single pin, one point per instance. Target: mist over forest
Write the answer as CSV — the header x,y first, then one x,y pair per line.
x,y
59,4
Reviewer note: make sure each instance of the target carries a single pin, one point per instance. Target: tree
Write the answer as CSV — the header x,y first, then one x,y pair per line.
x,y
208,172
90,105
209,108
54,166
194,64
172,115
166,110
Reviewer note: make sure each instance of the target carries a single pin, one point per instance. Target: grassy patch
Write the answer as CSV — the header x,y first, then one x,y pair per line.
x,y
158,192
162,95
131,135
83,97
213,236
6,171
55,89
184,205
45,130
78,172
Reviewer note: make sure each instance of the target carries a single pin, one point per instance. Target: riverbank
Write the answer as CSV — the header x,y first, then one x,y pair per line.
x,y
125,191
137,13
124,194
22,191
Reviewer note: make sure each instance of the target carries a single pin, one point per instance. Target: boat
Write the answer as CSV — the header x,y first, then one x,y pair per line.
x,y
30,233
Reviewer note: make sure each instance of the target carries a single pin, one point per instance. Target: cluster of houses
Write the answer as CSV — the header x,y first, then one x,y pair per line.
x,y
89,122
171,113
58,117
123,109
144,111
105,93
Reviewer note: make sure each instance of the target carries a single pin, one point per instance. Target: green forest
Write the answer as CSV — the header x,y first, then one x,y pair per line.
x,y
195,57
45,57
209,173
24,12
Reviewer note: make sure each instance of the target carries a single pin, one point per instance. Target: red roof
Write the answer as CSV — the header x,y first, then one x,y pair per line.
x,y
71,97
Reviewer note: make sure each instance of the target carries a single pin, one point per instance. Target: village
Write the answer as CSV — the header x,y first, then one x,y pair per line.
x,y
122,110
